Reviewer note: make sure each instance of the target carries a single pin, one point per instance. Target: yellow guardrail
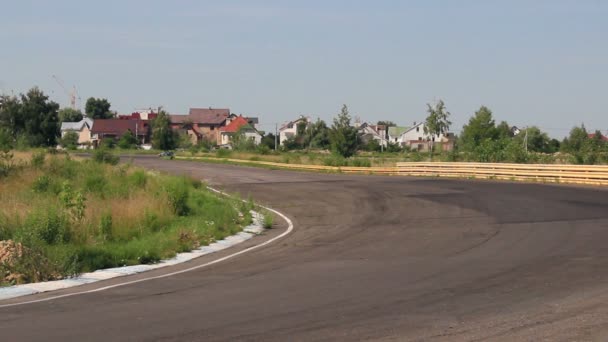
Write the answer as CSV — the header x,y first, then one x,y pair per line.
x,y
576,174
579,174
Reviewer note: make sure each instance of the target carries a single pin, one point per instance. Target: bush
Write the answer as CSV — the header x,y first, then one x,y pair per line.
x,y
177,191
127,141
102,155
263,149
95,183
38,159
360,162
49,226
105,227
138,179
6,140
223,153
108,143
268,220
41,184
69,140
335,160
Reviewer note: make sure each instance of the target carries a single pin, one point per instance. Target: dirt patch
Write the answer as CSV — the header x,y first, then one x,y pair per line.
x,y
10,253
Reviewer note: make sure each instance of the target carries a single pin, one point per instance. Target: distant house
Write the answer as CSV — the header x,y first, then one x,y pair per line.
x,y
202,123
370,132
515,130
290,129
602,137
252,121
82,128
416,139
239,125
146,116
395,134
116,128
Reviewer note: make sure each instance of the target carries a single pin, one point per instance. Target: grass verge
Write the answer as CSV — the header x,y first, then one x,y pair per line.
x,y
68,216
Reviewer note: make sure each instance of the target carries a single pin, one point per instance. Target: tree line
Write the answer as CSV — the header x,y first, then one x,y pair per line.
x,y
32,120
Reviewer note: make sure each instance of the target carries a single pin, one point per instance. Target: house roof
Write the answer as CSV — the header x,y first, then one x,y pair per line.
x,y
294,122
235,125
210,116
395,131
119,127
76,126
603,137
178,118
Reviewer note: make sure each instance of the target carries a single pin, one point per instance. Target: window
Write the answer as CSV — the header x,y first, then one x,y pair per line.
x,y
212,128
418,129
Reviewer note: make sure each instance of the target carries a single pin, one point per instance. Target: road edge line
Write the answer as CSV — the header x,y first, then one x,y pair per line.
x,y
289,229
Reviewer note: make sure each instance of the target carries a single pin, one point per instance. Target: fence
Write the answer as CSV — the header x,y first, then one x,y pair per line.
x,y
577,174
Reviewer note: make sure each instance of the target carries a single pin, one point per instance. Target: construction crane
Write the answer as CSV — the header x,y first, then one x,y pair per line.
x,y
72,94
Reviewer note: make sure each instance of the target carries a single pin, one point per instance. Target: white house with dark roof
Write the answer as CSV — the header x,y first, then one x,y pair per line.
x,y
416,139
290,129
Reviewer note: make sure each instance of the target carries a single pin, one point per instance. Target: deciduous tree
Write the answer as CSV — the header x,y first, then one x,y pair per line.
x,y
98,108
437,121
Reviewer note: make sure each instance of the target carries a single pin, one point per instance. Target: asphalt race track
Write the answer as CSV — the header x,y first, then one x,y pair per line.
x,y
370,258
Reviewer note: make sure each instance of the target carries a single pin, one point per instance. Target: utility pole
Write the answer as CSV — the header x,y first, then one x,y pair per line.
x,y
276,130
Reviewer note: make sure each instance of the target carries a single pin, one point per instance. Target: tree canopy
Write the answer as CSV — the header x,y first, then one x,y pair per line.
x,y
31,117
70,115
163,137
480,128
342,135
98,108
386,123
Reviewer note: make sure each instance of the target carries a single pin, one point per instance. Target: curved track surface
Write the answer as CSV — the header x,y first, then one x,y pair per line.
x,y
371,258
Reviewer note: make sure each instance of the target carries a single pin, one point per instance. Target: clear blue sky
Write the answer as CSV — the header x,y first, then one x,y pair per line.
x,y
539,62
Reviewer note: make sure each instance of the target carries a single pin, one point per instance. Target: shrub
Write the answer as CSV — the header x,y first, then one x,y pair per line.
x,y
268,219
49,226
223,153
105,227
335,160
360,162
108,143
262,149
95,183
38,159
102,155
415,156
177,191
127,141
41,184
69,140
6,140
138,179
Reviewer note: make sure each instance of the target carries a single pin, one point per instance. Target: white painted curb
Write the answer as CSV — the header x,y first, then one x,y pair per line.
x,y
87,278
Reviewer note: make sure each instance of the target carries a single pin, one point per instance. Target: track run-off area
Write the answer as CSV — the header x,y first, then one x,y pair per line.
x,y
369,258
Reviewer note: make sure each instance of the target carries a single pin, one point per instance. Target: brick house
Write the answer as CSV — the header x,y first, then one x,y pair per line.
x,y
202,123
116,128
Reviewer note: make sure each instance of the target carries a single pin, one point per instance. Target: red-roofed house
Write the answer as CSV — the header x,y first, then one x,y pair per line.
x,y
602,137
202,123
239,125
116,128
